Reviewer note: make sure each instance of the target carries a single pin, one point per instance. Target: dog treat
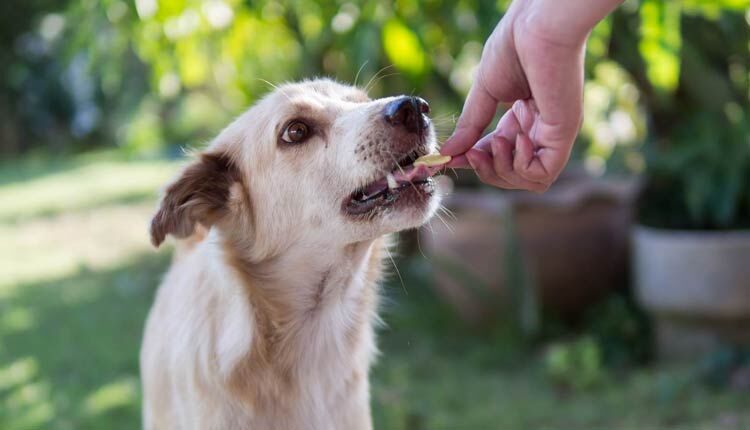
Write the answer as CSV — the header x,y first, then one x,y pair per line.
x,y
431,160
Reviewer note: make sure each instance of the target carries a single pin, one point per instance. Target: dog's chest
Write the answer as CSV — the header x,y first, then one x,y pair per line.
x,y
330,337
313,355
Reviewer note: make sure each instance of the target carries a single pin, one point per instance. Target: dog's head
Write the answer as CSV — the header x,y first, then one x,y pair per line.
x,y
315,160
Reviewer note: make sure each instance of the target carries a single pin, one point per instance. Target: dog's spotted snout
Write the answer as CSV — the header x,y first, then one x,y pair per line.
x,y
408,112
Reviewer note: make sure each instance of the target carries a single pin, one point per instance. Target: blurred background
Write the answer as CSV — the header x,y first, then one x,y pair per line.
x,y
620,299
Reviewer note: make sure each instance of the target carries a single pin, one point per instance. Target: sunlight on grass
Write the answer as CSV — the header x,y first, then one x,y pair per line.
x,y
18,372
30,407
84,343
50,248
16,319
89,216
74,236
114,395
84,187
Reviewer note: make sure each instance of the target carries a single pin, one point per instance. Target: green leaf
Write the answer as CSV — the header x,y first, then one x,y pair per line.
x,y
193,62
403,48
712,9
661,42
598,43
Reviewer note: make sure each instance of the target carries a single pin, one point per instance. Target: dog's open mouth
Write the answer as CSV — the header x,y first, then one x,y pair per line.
x,y
403,180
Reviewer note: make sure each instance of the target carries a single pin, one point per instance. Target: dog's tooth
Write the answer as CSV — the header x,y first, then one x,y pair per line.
x,y
392,183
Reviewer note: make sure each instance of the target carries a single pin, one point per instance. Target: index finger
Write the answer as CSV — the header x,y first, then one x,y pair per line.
x,y
478,111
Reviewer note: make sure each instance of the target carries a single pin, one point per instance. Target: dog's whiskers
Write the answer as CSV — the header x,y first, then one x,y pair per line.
x,y
432,229
356,77
375,81
395,267
395,161
449,213
399,168
383,77
275,87
419,245
447,226
366,89
269,83
445,117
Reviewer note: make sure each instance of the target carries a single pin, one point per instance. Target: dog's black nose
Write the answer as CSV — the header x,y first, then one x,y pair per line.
x,y
409,112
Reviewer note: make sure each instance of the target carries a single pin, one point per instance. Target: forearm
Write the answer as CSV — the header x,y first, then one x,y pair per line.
x,y
567,21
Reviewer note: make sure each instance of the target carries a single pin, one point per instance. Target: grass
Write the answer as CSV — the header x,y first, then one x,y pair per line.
x,y
78,276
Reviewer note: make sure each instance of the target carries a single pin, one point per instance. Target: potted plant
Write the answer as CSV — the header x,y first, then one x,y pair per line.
x,y
559,252
691,249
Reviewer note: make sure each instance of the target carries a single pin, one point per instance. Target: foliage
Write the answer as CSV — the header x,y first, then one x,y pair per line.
x,y
576,364
696,61
677,75
727,366
705,183
143,75
161,72
615,336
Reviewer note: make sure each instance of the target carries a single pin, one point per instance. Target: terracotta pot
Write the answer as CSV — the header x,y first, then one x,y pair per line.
x,y
564,249
468,254
696,285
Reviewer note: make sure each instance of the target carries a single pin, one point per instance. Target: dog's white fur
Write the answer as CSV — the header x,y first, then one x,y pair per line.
x,y
265,319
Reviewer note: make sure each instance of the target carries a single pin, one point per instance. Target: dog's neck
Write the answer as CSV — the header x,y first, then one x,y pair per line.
x,y
309,295
304,271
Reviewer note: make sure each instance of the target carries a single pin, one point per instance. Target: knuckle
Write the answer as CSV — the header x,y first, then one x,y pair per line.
x,y
509,178
531,175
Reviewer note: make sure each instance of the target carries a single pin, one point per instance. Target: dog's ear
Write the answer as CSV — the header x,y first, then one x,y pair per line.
x,y
199,195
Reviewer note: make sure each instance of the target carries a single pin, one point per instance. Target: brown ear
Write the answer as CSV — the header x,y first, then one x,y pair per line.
x,y
200,195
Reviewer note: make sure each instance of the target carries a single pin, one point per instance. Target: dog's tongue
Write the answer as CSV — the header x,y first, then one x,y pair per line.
x,y
402,175
411,173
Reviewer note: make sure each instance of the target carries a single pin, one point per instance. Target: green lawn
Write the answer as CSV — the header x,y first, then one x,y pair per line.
x,y
78,275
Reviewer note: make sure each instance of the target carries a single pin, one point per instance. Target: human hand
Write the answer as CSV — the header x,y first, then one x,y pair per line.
x,y
534,58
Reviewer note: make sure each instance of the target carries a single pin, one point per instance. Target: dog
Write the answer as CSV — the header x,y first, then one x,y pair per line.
x,y
265,319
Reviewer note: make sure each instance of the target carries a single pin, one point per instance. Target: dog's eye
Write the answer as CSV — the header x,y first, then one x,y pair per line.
x,y
296,132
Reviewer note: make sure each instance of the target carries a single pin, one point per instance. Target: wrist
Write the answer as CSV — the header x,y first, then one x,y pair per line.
x,y
567,22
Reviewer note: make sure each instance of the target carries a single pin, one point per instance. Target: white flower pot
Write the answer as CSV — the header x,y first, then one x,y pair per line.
x,y
696,285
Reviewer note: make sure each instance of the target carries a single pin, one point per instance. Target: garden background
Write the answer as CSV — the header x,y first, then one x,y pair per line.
x,y
99,99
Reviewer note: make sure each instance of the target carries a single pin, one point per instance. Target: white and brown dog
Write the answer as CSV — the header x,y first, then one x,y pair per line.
x,y
265,318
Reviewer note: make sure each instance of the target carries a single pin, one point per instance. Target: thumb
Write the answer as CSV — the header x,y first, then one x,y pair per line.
x,y
479,110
